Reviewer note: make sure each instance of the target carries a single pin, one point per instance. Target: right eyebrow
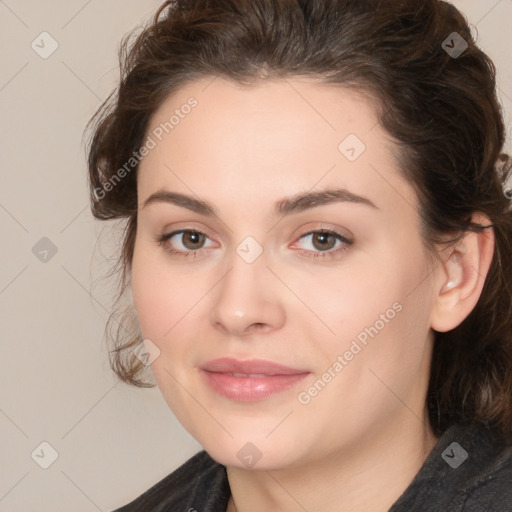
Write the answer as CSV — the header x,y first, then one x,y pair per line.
x,y
183,200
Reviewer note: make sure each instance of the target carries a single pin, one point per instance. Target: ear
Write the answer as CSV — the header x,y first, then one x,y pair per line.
x,y
460,276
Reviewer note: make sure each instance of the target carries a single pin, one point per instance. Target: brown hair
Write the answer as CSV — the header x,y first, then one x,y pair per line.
x,y
439,106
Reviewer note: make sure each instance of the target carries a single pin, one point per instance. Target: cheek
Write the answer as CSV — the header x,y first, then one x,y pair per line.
x,y
380,344
381,303
162,301
154,294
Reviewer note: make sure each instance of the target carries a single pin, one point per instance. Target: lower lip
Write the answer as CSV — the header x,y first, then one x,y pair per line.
x,y
249,389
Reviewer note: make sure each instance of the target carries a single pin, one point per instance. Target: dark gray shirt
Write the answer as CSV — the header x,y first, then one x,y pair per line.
x,y
469,470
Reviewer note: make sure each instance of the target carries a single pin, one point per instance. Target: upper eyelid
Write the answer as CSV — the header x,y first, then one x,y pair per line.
x,y
175,232
339,236
324,230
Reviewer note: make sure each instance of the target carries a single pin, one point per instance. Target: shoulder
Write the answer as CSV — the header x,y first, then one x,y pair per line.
x,y
200,483
469,470
492,488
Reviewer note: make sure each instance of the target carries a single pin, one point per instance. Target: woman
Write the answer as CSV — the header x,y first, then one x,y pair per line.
x,y
318,248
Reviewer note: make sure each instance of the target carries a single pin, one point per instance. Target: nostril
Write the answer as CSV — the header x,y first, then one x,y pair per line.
x,y
258,326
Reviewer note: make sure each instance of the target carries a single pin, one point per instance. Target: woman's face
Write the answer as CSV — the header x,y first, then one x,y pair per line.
x,y
253,277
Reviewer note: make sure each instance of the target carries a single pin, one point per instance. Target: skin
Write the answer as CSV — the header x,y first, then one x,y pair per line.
x,y
360,441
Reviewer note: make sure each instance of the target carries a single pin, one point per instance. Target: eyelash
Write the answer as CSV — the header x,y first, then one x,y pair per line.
x,y
162,241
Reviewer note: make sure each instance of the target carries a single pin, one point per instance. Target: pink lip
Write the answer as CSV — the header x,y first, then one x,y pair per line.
x,y
249,380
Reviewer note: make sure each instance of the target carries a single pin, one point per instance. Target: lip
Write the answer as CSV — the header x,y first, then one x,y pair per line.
x,y
252,380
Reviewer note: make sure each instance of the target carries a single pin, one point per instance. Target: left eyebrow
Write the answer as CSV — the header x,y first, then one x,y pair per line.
x,y
283,207
301,202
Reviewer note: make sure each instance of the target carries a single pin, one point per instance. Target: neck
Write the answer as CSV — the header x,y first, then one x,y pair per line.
x,y
370,475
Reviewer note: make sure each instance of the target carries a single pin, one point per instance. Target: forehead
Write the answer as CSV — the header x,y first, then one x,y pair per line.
x,y
266,137
302,105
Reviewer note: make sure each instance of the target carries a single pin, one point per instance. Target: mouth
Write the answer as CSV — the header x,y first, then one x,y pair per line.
x,y
249,381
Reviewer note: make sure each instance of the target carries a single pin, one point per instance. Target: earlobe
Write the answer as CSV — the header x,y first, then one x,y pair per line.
x,y
461,277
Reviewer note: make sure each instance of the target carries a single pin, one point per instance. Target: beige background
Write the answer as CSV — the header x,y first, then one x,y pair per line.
x,y
113,440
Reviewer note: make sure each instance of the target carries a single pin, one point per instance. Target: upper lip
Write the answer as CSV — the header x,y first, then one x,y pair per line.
x,y
253,366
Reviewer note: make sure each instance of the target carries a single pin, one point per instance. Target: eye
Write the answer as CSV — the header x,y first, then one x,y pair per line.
x,y
183,242
325,243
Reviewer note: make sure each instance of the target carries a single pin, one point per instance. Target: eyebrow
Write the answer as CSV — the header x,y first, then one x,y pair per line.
x,y
283,207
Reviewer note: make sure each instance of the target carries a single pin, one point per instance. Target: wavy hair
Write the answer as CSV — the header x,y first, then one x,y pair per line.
x,y
436,98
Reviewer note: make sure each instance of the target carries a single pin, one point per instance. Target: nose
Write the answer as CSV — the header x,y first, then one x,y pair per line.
x,y
247,300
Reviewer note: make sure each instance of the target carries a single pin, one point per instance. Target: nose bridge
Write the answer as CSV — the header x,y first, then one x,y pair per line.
x,y
247,295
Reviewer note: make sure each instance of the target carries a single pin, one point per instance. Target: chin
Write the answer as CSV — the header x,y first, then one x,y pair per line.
x,y
253,453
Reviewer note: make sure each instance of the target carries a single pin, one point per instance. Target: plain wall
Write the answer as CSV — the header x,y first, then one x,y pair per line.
x,y
113,440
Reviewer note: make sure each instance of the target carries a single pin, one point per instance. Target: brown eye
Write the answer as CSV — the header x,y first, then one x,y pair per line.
x,y
184,242
323,241
193,240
